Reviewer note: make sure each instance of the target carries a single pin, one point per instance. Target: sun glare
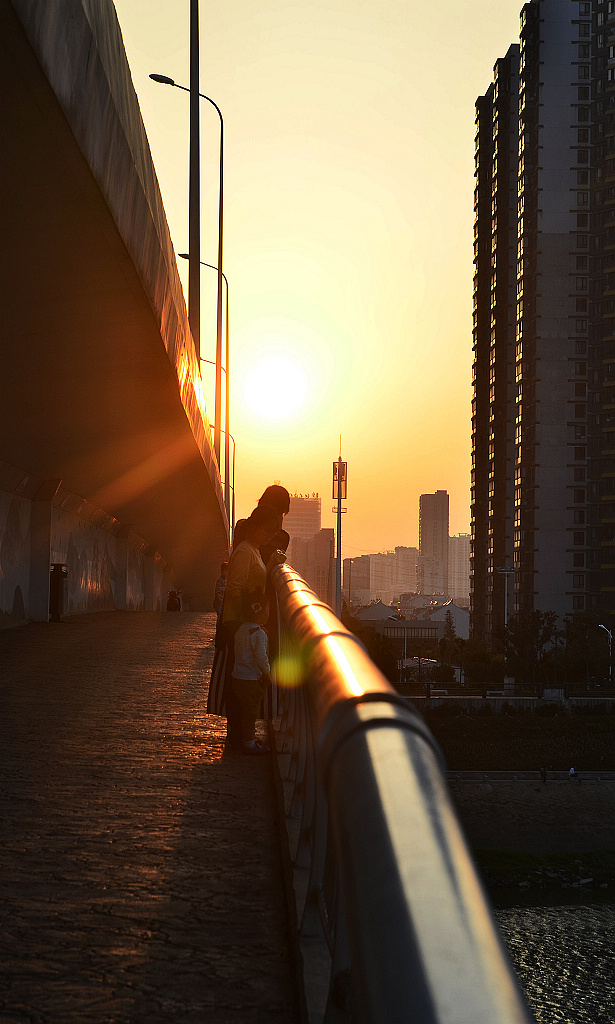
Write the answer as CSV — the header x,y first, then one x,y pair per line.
x,y
277,386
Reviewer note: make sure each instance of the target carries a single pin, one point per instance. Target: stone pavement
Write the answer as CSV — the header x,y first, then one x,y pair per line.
x,y
140,868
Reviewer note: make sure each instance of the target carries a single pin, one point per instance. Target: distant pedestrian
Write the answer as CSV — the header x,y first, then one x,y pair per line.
x,y
543,775
571,774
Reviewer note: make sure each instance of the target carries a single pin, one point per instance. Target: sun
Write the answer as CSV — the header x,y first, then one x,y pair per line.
x,y
276,386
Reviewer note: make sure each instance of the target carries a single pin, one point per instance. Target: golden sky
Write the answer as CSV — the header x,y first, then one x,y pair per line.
x,y
349,146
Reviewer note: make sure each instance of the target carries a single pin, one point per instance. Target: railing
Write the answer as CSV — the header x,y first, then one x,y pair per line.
x,y
381,869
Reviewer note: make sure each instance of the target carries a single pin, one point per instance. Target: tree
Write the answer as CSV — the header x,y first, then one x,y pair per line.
x,y
525,638
586,647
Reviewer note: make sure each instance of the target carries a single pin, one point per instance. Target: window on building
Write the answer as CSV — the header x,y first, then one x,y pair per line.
x,y
581,241
581,284
584,30
581,305
579,495
579,455
579,539
582,138
578,560
578,581
584,51
583,70
582,200
579,475
579,517
580,390
579,411
578,603
581,328
580,369
581,262
582,177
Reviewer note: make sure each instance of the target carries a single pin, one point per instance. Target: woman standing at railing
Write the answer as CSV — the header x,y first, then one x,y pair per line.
x,y
246,573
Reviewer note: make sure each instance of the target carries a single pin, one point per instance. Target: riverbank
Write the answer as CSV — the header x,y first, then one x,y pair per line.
x,y
536,835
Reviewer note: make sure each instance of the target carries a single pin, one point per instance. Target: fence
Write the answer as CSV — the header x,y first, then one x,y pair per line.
x,y
383,878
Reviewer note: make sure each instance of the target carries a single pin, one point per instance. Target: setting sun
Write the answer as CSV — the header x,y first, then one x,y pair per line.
x,y
277,386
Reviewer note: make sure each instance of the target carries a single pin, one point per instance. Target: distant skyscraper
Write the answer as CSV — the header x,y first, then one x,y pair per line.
x,y
433,540
406,560
459,569
311,549
543,425
303,519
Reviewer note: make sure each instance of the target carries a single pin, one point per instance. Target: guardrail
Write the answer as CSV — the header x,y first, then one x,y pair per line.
x,y
381,868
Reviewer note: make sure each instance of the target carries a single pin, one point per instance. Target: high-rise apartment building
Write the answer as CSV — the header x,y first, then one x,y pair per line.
x,y
543,415
433,539
493,405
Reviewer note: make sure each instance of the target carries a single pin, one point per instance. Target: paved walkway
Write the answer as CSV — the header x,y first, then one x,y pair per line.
x,y
140,875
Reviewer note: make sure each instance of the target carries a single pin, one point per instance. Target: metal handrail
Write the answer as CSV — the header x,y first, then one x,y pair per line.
x,y
389,875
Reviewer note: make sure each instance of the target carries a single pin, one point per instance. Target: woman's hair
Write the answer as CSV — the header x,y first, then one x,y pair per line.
x,y
276,497
264,516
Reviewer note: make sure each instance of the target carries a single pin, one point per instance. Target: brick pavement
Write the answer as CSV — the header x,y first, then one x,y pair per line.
x,y
140,875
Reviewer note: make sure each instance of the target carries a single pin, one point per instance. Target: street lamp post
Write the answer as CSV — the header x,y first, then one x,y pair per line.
x,y
195,259
185,256
232,515
339,491
610,636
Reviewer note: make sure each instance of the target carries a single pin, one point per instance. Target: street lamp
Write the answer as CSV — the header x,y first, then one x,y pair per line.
x,y
186,256
195,257
610,636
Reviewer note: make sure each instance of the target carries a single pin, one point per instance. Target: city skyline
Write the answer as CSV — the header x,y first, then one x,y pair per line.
x,y
348,181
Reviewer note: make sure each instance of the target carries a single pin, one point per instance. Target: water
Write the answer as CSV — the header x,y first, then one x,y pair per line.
x,y
565,959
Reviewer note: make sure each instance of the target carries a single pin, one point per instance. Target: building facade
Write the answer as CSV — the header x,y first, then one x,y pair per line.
x,y
459,569
543,466
493,406
303,518
433,542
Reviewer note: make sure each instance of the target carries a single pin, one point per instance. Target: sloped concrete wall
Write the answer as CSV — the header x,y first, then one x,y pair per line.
x,y
99,382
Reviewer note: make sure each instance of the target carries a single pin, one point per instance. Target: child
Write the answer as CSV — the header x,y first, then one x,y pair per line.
x,y
251,671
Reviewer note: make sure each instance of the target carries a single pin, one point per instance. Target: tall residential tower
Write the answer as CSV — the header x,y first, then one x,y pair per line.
x,y
543,473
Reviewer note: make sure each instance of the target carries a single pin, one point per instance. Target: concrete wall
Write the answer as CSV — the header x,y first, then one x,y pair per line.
x,y
109,565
